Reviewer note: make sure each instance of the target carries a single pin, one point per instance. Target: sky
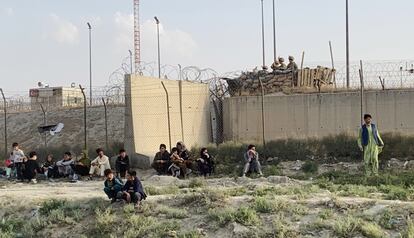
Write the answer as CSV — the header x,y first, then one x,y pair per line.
x,y
47,40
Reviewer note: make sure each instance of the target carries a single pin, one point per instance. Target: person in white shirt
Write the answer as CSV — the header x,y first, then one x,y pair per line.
x,y
17,158
100,164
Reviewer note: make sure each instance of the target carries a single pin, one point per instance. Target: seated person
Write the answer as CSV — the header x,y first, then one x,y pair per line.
x,y
162,160
82,165
65,165
133,190
205,163
49,168
252,163
185,155
177,167
31,168
100,164
113,186
122,164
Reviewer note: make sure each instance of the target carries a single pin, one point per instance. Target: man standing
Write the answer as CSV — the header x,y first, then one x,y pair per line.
x,y
292,65
252,164
370,142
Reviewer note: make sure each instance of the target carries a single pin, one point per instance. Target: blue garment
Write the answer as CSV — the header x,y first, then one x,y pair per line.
x,y
112,188
365,135
134,186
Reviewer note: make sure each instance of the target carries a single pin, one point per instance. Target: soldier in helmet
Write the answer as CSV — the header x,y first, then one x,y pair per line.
x,y
282,65
292,65
275,65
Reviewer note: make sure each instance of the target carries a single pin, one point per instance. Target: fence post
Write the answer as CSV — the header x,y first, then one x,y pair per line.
x,y
44,123
84,117
5,123
168,113
263,115
333,64
361,77
106,125
180,89
301,70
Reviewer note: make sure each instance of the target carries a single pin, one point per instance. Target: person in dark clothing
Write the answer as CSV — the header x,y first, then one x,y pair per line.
x,y
31,168
162,160
81,167
185,155
113,186
205,163
122,164
133,190
49,168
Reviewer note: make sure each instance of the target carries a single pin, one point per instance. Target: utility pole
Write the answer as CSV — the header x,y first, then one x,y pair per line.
x,y
347,46
263,38
274,32
5,123
157,21
90,62
168,113
44,123
84,118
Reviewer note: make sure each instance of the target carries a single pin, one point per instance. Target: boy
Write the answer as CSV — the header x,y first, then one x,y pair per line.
x,y
9,165
113,186
17,158
177,163
122,164
161,160
31,168
100,164
252,161
133,190
65,165
371,144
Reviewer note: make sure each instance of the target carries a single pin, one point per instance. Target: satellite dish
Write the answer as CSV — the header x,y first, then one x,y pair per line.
x,y
40,84
73,85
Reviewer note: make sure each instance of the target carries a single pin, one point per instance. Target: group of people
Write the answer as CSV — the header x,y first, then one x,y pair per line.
x,y
179,163
27,168
279,65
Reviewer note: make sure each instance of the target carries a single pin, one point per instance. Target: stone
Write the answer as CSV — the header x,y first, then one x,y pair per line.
x,y
278,179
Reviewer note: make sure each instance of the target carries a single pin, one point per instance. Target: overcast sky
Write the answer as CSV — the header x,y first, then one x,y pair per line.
x,y
47,40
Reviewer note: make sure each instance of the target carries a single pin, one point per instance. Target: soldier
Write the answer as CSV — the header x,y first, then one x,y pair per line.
x,y
292,65
282,65
275,65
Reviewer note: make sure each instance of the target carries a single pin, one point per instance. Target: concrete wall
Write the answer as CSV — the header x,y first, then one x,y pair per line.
x,y
316,115
22,128
146,123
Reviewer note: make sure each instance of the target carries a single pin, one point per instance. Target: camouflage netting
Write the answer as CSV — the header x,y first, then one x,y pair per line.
x,y
248,83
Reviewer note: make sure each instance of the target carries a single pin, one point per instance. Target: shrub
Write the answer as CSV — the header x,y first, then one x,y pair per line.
x,y
263,205
346,227
246,216
372,230
310,167
409,233
104,220
49,205
196,183
172,212
151,190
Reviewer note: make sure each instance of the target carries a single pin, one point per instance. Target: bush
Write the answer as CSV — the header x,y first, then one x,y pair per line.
x,y
196,183
310,167
48,206
347,227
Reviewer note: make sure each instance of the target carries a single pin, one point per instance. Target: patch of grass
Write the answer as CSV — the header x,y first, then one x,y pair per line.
x,y
233,192
263,205
271,170
196,183
190,234
282,229
372,230
347,226
242,215
49,205
129,209
326,214
409,232
204,198
165,190
386,219
172,212
104,220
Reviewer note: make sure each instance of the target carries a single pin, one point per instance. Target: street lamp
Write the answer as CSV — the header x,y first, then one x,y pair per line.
x,y
347,45
263,38
90,62
158,40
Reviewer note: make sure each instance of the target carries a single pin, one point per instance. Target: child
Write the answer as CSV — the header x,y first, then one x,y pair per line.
x,y
133,190
177,163
49,169
17,157
31,168
9,165
122,164
113,186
